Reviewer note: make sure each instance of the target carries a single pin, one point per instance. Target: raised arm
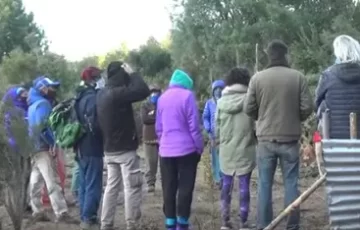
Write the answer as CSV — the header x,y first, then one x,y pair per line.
x,y
137,90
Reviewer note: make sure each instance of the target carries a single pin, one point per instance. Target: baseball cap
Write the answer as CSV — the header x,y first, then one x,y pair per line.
x,y
41,82
90,73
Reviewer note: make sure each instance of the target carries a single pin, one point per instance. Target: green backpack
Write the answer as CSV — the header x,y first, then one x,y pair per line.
x,y
65,124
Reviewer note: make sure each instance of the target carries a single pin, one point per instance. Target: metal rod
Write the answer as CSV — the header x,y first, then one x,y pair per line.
x,y
353,126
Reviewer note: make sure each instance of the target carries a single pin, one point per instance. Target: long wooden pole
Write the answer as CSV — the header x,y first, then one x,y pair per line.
x,y
304,196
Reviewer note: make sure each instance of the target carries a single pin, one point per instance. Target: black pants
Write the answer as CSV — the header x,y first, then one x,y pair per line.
x,y
178,175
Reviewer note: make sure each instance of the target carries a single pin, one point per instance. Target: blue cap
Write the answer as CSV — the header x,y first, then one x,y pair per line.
x,y
41,82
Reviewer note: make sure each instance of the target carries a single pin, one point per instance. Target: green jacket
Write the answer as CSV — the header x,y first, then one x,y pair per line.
x,y
235,132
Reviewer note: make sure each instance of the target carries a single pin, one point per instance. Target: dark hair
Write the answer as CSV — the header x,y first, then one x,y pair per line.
x,y
238,76
277,50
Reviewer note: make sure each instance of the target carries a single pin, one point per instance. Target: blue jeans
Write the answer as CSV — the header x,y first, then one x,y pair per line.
x,y
90,176
215,165
268,154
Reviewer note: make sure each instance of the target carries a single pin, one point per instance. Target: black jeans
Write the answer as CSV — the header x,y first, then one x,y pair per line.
x,y
178,175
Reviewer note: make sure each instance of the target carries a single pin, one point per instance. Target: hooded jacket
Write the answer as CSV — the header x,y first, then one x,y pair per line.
x,y
235,131
148,115
209,110
339,91
115,112
14,110
38,115
91,143
177,119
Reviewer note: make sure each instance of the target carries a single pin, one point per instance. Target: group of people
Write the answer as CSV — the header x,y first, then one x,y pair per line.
x,y
251,121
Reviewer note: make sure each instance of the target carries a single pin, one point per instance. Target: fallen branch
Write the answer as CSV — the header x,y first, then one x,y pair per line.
x,y
303,197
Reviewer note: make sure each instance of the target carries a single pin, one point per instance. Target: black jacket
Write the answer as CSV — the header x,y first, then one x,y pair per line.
x,y
115,113
91,144
339,91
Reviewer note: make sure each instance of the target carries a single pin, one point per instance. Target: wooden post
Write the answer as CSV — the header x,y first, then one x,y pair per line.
x,y
353,126
256,57
326,124
303,197
237,55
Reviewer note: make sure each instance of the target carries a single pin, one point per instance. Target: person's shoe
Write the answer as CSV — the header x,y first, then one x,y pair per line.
x,y
107,228
182,227
89,226
244,226
66,218
226,226
38,217
151,189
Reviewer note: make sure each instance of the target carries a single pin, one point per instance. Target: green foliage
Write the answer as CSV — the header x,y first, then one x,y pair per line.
x,y
18,29
20,68
150,59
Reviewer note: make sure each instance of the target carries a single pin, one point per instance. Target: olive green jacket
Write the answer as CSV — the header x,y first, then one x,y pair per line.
x,y
235,131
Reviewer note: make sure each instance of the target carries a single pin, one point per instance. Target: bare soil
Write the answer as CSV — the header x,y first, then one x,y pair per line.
x,y
206,205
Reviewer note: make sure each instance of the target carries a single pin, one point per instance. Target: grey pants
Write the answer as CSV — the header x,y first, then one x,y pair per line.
x,y
122,169
151,157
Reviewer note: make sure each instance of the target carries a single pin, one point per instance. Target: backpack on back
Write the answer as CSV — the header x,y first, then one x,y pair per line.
x,y
65,124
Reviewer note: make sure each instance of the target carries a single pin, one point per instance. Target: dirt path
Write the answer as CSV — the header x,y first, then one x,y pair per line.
x,y
206,213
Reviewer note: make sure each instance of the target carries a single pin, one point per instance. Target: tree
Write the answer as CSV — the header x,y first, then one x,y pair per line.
x,y
150,59
18,29
21,68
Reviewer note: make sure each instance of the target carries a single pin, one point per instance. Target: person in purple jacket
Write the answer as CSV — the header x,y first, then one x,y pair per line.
x,y
180,148
16,108
209,126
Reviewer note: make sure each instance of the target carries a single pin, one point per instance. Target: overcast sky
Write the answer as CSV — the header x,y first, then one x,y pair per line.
x,y
78,28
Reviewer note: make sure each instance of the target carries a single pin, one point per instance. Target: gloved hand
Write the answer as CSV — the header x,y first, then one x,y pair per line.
x,y
128,69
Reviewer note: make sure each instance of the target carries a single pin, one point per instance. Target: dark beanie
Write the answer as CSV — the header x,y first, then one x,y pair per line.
x,y
116,74
114,68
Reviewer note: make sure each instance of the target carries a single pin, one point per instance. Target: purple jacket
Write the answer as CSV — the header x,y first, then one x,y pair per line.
x,y
178,123
16,108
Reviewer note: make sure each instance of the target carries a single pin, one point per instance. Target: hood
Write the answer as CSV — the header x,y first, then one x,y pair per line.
x,y
154,88
180,78
34,95
232,100
217,84
347,72
11,96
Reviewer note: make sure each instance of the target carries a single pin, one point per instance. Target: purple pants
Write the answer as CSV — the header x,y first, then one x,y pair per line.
x,y
244,197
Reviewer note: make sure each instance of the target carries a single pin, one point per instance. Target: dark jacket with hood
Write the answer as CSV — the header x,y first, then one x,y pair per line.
x,y
115,112
339,91
91,143
148,114
279,99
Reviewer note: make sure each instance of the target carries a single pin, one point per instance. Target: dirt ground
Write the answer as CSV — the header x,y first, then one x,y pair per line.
x,y
205,211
